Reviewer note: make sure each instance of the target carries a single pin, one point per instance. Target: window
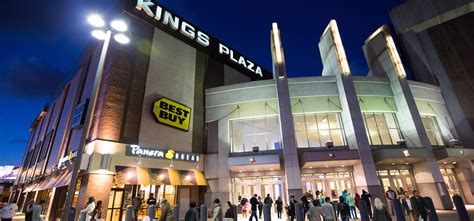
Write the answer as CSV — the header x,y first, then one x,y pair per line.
x,y
432,130
261,132
382,128
314,130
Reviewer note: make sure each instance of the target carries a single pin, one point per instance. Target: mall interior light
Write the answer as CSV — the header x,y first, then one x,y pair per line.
x,y
119,25
96,20
121,38
99,34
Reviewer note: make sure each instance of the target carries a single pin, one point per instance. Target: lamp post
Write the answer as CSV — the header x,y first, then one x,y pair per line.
x,y
102,31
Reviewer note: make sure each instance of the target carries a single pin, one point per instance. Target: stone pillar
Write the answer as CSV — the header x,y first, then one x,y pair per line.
x,y
465,178
335,64
95,185
383,60
290,153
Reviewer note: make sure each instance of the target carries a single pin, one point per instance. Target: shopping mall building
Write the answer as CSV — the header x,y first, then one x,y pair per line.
x,y
185,116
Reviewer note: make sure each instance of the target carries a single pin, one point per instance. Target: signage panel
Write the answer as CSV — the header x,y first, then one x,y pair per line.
x,y
169,154
172,113
79,114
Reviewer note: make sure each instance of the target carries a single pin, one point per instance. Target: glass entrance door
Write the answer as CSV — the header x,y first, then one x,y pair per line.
x,y
451,182
396,179
330,184
114,211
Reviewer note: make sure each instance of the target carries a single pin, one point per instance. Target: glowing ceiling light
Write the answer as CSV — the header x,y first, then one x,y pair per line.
x,y
121,38
119,25
96,20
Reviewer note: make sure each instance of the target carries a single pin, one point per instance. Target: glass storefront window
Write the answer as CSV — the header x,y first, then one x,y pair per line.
x,y
261,132
314,130
382,128
432,130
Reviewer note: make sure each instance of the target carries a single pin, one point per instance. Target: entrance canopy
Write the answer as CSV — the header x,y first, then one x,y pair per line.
x,y
158,176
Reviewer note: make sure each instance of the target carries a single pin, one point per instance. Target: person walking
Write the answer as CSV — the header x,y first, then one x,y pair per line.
x,y
279,207
292,208
86,212
253,207
260,207
380,211
366,197
8,211
343,209
390,195
419,206
351,202
245,207
29,211
151,200
166,211
328,210
97,213
217,211
192,213
136,203
230,212
268,200
315,212
406,202
304,205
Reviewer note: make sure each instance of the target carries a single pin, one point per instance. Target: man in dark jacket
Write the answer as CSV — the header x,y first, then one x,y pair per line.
x,y
292,209
268,200
253,208
419,206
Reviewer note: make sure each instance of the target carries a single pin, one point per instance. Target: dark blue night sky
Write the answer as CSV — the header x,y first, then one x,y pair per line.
x,y
41,40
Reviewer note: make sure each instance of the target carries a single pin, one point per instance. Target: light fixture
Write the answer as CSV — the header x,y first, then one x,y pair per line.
x,y
454,163
255,170
121,38
310,167
240,171
445,162
393,164
406,153
96,20
119,25
162,177
326,166
271,169
171,165
406,163
343,165
99,34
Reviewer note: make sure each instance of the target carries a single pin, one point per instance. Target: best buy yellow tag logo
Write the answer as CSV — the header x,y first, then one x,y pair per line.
x,y
172,113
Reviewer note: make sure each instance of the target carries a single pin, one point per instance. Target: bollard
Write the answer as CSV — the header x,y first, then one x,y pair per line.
x,y
176,212
203,212
299,212
432,215
266,212
151,211
129,213
460,208
82,216
234,207
398,210
72,213
364,214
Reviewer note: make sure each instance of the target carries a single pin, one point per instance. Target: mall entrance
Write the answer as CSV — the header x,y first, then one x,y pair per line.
x,y
451,181
331,184
397,179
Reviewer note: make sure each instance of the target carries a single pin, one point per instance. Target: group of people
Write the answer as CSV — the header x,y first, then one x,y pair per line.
x,y
92,210
413,204
166,209
256,204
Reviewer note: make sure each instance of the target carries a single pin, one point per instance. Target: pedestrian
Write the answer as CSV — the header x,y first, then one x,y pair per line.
x,y
279,207
29,211
328,210
357,200
260,207
8,211
343,209
390,195
136,203
315,212
217,211
97,213
268,200
292,209
344,195
419,206
166,211
366,197
86,212
380,211
151,200
245,207
351,202
304,205
230,212
192,213
407,204
253,207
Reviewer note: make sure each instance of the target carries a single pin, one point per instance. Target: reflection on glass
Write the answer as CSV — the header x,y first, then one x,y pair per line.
x,y
248,133
432,130
319,129
382,128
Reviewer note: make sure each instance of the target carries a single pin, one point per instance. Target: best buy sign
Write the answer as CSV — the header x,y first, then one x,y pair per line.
x,y
171,113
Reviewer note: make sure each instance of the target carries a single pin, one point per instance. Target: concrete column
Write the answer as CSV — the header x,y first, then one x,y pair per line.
x,y
290,154
384,60
335,64
97,186
465,178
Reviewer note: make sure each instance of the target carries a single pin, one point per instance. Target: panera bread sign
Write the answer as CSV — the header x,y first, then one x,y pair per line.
x,y
137,151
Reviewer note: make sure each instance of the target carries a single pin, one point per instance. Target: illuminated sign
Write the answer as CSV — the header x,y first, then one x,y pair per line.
x,y
135,150
70,156
183,29
172,113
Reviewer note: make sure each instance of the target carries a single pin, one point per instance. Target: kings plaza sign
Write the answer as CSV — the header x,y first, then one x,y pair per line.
x,y
175,25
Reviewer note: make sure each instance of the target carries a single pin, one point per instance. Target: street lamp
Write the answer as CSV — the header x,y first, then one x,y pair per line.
x,y
104,32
